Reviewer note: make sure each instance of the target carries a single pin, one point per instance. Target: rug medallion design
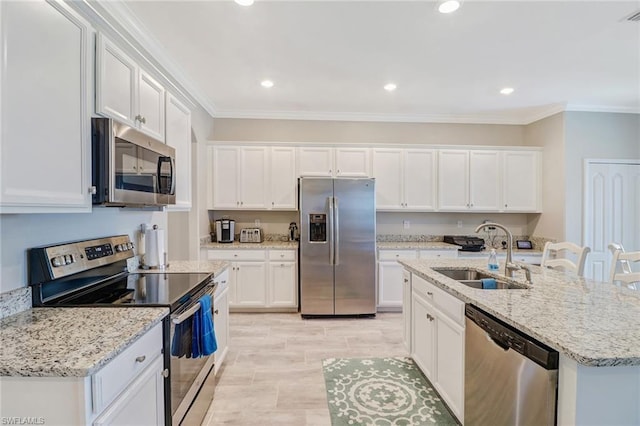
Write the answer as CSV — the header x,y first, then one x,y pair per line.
x,y
381,392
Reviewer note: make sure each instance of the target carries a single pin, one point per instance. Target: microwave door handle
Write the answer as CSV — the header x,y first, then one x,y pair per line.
x,y
161,189
172,190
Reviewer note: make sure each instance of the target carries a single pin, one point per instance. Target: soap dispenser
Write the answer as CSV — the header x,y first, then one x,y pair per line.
x,y
492,264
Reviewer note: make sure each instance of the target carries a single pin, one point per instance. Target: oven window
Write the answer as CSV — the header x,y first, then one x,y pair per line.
x,y
140,169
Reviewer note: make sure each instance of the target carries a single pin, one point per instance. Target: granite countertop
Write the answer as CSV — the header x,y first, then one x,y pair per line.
x,y
415,245
73,342
485,253
214,267
594,323
282,245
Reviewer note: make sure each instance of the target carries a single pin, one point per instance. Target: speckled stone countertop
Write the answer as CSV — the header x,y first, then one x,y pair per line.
x,y
415,245
214,267
74,342
282,245
485,253
594,323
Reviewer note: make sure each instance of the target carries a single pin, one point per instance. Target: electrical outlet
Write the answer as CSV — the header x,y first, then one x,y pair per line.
x,y
256,222
459,224
406,224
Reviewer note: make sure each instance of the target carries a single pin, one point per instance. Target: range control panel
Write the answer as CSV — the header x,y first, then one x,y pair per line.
x,y
52,262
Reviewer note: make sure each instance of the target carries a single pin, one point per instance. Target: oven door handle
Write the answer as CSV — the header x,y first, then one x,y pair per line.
x,y
186,314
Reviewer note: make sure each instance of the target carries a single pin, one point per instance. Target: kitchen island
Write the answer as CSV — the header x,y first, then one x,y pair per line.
x,y
594,327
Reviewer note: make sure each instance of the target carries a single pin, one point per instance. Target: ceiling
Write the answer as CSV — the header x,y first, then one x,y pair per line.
x,y
331,59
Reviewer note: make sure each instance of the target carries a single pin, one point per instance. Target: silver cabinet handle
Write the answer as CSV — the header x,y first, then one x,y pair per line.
x,y
144,120
430,318
429,293
141,358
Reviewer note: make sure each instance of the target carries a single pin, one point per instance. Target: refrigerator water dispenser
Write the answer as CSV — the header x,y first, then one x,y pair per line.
x,y
318,228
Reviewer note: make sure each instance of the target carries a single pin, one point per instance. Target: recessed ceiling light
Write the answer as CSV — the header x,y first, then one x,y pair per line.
x,y
267,83
244,2
507,91
390,87
448,6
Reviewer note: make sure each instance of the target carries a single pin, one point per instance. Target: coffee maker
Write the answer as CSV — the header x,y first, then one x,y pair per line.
x,y
225,230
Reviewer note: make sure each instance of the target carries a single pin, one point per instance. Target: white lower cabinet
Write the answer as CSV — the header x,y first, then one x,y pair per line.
x,y
221,320
437,340
260,279
406,309
127,390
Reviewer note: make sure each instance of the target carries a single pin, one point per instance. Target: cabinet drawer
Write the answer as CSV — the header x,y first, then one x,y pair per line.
x,y
236,255
119,372
397,254
424,288
440,299
282,255
438,254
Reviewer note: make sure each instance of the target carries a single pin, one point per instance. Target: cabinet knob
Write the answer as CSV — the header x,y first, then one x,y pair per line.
x,y
406,280
282,265
92,190
141,358
471,205
165,373
272,203
241,203
430,317
429,293
216,312
505,205
329,171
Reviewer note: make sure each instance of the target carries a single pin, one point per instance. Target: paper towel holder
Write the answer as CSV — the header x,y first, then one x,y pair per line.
x,y
144,228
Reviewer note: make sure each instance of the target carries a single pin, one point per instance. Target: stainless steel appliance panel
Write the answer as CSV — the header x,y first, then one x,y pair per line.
x,y
355,246
504,387
316,250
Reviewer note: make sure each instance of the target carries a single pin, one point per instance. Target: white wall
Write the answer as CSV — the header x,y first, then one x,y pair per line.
x,y
18,232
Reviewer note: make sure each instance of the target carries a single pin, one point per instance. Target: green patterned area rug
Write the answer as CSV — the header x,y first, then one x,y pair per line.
x,y
381,392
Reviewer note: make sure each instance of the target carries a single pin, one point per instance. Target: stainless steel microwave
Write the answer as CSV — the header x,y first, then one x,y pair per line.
x,y
130,168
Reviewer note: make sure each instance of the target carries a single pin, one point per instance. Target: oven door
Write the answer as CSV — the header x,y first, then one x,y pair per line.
x,y
192,379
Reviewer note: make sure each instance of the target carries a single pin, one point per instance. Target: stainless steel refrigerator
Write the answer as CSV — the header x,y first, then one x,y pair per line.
x,y
337,246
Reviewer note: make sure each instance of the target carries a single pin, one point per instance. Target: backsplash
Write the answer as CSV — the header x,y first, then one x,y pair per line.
x,y
15,301
408,238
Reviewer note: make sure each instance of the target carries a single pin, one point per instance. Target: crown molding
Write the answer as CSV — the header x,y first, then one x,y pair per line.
x,y
602,108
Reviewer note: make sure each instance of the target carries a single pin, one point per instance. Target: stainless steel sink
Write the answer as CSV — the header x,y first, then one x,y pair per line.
x,y
472,278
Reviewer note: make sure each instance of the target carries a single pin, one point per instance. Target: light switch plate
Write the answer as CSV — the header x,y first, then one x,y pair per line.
x,y
406,224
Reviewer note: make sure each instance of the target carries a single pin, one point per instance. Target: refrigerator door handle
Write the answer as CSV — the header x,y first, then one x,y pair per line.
x,y
332,254
336,240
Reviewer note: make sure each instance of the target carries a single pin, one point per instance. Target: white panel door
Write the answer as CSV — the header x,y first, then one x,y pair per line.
x,y
221,326
225,173
406,309
423,335
150,106
178,135
521,181
283,180
388,172
352,162
453,180
420,177
45,102
116,82
389,284
612,209
253,177
315,161
450,363
251,289
485,189
283,285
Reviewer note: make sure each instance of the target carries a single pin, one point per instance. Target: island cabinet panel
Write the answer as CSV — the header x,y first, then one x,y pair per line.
x,y
423,335
406,310
45,102
221,319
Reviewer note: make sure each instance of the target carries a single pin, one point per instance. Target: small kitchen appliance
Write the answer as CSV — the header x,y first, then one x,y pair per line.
x,y
466,243
225,230
251,235
293,231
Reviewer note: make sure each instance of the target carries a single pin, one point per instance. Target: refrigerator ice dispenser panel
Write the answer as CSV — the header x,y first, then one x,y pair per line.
x,y
317,228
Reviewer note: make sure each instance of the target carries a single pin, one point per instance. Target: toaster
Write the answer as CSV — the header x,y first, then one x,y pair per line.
x,y
251,235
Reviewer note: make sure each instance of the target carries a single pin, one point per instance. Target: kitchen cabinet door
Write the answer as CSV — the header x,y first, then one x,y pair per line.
x,y
521,170
283,182
250,284
283,285
406,310
352,162
453,180
116,82
253,177
178,135
224,177
389,284
423,335
150,106
389,175
315,161
45,103
221,326
420,179
484,180
450,363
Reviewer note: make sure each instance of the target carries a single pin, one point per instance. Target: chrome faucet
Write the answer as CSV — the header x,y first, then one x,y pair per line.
x,y
509,266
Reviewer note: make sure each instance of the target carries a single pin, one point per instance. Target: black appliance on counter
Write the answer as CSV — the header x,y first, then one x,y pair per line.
x,y
466,243
93,273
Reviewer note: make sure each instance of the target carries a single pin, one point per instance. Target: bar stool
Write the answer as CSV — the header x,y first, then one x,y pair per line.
x,y
624,264
631,279
552,261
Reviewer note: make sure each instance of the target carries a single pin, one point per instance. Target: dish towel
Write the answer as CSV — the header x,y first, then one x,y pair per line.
x,y
182,340
488,283
204,338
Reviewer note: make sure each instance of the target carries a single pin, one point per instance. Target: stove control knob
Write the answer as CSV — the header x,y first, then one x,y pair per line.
x,y
67,259
119,248
130,245
57,261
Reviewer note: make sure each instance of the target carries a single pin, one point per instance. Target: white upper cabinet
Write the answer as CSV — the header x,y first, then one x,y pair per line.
x,y
45,102
521,183
334,162
453,179
405,179
178,135
225,171
253,177
484,180
283,182
125,92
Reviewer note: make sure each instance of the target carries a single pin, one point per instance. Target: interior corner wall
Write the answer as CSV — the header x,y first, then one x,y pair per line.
x,y
590,135
548,133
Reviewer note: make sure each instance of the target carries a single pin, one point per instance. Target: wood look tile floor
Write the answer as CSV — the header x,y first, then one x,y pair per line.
x,y
273,371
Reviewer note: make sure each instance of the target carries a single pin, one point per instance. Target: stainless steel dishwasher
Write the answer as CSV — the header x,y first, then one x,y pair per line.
x,y
510,378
